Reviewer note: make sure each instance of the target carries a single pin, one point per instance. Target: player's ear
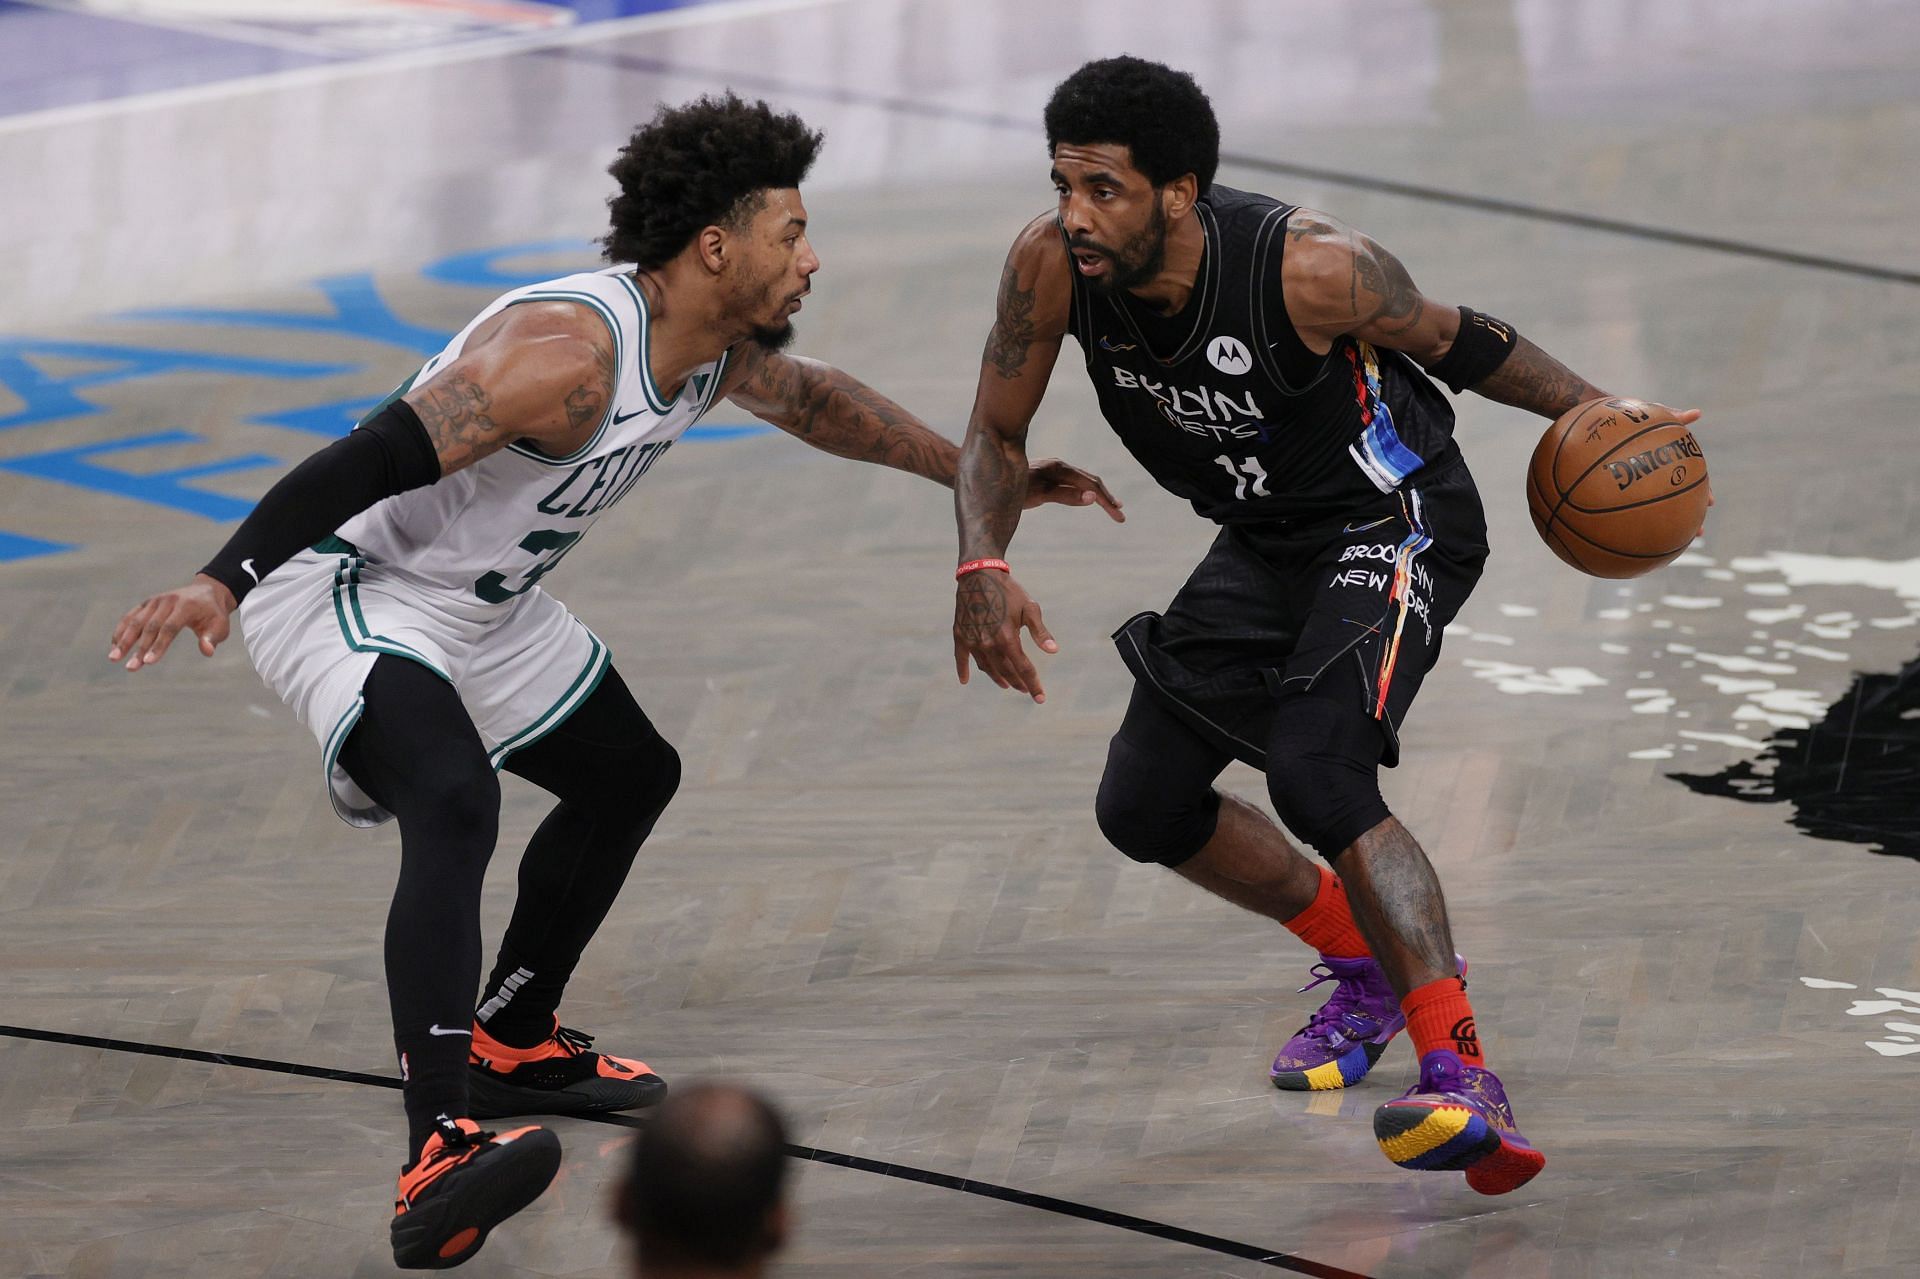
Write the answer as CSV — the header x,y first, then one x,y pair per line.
x,y
1180,195
712,247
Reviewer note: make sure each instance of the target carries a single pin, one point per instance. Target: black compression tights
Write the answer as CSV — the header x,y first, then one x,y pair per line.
x,y
416,752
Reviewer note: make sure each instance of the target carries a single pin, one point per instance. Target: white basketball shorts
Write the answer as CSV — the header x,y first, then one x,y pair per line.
x,y
318,623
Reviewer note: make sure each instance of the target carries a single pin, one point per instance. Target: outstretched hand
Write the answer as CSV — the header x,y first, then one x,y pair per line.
x,y
989,610
1051,480
147,631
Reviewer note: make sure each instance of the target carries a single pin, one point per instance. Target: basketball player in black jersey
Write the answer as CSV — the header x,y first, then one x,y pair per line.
x,y
1277,369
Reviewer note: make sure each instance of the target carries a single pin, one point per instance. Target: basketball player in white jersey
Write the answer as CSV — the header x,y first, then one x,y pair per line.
x,y
388,588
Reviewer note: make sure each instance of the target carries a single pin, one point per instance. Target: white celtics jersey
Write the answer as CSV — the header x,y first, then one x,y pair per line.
x,y
494,529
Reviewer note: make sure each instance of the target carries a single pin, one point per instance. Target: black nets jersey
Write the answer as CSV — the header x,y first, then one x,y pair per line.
x,y
1225,405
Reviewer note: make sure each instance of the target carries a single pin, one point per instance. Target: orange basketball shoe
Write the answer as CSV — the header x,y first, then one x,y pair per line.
x,y
560,1075
464,1184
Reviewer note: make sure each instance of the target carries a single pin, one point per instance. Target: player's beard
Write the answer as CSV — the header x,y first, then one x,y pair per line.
x,y
773,337
1138,260
778,335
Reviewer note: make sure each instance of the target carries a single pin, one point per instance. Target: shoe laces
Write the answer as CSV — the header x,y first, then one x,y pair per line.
x,y
573,1041
454,1138
1341,1013
455,1144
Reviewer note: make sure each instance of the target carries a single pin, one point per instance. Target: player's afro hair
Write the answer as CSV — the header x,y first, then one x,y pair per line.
x,y
1157,113
699,165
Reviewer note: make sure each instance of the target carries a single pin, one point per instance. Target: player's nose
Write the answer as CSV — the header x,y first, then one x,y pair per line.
x,y
1075,217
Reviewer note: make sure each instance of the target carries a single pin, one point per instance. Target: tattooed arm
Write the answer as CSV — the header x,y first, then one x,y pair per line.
x,y
1030,319
839,414
538,372
1338,281
836,413
542,372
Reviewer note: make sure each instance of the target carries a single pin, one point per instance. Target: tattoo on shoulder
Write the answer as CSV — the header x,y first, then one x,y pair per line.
x,y
456,412
587,402
1382,290
1303,225
1013,328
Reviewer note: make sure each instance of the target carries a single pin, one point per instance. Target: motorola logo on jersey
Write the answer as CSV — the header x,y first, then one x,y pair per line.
x,y
1229,356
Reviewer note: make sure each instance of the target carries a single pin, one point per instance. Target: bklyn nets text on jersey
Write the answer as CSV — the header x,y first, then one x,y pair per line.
x,y
1225,417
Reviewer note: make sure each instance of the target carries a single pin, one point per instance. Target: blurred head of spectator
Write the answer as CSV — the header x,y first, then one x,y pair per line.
x,y
706,1195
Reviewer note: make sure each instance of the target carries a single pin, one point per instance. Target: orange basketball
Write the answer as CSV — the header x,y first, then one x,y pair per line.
x,y
1617,487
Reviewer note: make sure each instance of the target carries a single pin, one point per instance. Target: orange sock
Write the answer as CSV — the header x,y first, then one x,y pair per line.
x,y
1327,924
1439,1016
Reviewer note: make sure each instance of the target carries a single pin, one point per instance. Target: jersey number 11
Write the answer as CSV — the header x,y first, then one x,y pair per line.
x,y
1242,471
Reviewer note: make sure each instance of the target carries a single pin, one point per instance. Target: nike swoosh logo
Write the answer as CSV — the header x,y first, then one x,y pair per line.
x,y
246,566
1107,344
1361,528
618,418
438,1029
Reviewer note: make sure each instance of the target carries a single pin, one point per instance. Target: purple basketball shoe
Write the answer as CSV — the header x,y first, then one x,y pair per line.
x,y
1457,1118
1340,1043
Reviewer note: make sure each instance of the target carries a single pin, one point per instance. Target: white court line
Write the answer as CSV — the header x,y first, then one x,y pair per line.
x,y
466,51
243,32
211,27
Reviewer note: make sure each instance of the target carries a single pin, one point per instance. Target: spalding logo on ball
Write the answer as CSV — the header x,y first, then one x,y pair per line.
x,y
1617,487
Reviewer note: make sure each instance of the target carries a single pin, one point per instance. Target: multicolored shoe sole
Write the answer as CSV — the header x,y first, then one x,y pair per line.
x,y
1342,1072
1429,1136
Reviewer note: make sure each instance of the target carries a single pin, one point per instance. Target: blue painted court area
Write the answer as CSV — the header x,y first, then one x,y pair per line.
x,y
62,53
51,381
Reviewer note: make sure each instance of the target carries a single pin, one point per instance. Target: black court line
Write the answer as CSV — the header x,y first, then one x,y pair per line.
x,y
1333,177
833,1158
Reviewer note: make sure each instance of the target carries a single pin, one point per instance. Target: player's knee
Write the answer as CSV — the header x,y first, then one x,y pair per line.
x,y
1323,771
463,804
1143,818
631,786
655,779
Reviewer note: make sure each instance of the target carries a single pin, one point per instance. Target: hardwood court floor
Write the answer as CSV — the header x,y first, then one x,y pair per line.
x,y
881,897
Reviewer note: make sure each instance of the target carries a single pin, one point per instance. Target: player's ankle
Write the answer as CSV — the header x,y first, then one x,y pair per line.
x,y
1440,1018
519,1032
1326,923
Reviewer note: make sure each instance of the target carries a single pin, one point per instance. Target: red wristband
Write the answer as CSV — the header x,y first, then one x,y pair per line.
x,y
974,566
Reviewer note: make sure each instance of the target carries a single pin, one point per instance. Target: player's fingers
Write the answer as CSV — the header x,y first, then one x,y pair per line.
x,y
1687,417
993,658
126,629
1020,670
211,630
962,659
162,641
143,639
1037,627
1103,495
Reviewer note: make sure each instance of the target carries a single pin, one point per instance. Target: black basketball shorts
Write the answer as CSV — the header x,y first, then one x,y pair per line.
x,y
1351,606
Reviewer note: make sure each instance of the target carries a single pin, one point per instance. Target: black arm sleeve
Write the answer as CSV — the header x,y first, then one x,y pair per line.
x,y
1481,346
389,453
